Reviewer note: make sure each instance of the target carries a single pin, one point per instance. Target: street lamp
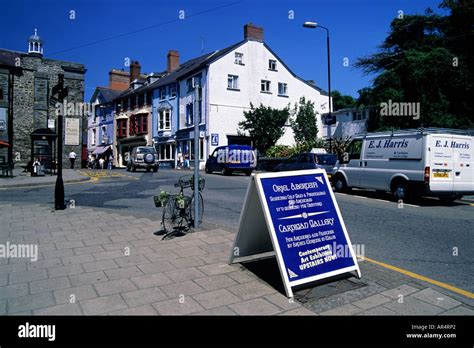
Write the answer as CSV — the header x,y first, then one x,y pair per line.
x,y
314,25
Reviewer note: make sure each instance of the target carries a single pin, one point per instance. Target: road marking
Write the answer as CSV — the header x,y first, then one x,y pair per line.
x,y
420,277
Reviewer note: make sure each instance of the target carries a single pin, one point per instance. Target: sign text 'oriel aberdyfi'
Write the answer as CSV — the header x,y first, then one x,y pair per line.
x,y
304,224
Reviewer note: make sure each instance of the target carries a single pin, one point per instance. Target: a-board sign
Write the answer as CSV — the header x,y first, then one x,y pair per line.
x,y
294,216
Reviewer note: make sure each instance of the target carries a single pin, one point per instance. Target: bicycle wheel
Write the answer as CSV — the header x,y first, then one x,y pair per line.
x,y
170,218
201,207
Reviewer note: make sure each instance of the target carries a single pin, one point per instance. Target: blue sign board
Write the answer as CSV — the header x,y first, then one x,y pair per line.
x,y
214,139
307,233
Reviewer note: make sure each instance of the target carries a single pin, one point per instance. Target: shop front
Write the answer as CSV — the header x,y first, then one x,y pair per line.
x,y
185,145
125,147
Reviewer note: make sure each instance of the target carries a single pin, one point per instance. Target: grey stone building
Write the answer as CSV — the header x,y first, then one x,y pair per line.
x,y
26,82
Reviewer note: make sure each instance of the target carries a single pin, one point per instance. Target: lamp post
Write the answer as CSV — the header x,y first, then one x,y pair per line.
x,y
313,25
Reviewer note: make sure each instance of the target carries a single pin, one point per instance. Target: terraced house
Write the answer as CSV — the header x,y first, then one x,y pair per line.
x,y
133,115
158,109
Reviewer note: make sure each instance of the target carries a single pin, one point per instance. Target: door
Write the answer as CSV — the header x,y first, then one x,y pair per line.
x,y
212,164
442,163
463,170
353,169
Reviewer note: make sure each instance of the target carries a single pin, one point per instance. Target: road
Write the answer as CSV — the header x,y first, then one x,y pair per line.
x,y
429,239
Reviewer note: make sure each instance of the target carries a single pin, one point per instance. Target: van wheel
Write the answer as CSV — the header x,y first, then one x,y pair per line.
x,y
155,169
208,171
340,184
401,192
248,172
224,171
134,169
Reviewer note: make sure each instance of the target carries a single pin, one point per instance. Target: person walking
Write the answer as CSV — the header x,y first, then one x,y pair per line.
x,y
180,160
101,162
72,158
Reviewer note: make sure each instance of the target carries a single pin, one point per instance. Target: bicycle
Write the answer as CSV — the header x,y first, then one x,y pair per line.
x,y
178,210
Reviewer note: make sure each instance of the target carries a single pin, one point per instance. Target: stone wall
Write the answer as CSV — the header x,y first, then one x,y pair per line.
x,y
32,105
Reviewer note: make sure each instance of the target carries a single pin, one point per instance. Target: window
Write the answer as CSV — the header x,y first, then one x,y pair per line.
x,y
1,94
239,58
148,97
121,128
162,93
94,135
189,114
142,124
355,149
133,101
265,86
232,82
189,85
104,135
201,149
173,91
141,100
272,65
164,119
165,152
282,89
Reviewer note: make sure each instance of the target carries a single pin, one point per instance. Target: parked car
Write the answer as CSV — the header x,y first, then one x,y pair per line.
x,y
143,157
410,163
308,160
232,158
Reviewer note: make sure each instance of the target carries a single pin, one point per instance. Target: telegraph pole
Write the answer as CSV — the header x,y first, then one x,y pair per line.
x,y
62,93
196,153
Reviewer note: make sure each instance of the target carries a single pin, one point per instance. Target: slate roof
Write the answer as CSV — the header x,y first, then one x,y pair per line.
x,y
8,57
109,94
191,66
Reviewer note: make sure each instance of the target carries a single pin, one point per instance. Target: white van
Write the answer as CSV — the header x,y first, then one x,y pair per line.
x,y
410,163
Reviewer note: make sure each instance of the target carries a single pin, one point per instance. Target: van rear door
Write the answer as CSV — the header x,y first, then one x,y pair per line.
x,y
463,163
441,163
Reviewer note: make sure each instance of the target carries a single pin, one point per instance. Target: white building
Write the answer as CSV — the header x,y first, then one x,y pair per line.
x,y
345,123
231,79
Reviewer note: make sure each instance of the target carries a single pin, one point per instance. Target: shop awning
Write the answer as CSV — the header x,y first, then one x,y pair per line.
x,y
101,149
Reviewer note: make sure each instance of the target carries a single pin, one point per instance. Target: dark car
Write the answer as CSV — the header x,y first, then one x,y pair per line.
x,y
308,160
232,158
143,157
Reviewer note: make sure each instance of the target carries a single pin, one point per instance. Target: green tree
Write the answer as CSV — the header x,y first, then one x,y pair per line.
x,y
340,101
423,60
265,125
304,124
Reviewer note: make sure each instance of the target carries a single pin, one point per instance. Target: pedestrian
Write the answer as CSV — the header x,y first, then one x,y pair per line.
x,y
101,162
110,163
72,158
180,160
36,165
186,161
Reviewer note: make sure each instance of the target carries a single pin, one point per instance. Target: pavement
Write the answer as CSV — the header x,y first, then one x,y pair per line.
x,y
97,261
21,178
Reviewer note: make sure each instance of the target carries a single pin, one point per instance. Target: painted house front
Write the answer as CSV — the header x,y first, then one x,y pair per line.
x,y
231,79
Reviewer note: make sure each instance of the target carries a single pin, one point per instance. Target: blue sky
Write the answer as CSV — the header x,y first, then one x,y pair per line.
x,y
357,27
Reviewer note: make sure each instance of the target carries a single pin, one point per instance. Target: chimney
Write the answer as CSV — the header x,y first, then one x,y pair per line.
x,y
253,32
135,73
119,80
173,60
